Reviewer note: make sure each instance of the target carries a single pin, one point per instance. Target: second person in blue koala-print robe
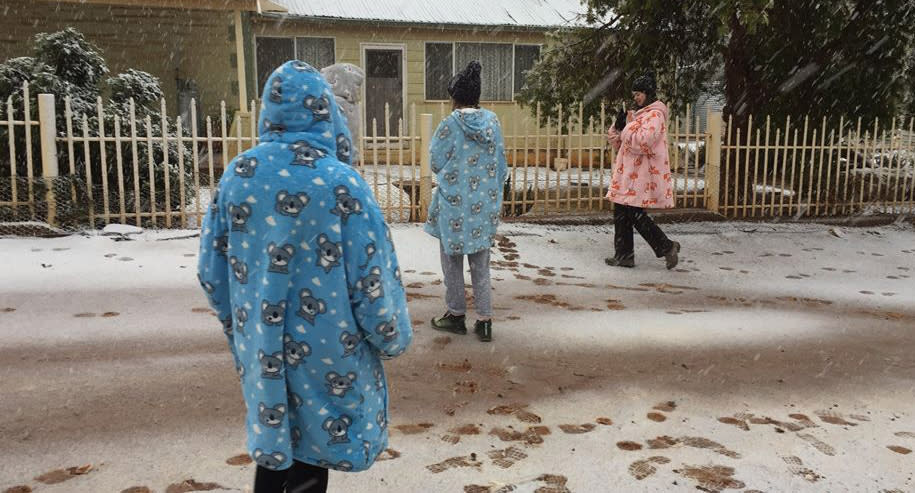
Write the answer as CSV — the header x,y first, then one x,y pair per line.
x,y
468,158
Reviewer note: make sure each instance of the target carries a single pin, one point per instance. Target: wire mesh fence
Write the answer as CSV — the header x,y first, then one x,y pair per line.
x,y
62,202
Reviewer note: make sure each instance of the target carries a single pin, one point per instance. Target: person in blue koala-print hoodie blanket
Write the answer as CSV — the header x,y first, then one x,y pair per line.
x,y
299,264
468,157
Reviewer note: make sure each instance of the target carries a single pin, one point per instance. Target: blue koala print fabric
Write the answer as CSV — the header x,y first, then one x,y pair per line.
x,y
468,158
299,264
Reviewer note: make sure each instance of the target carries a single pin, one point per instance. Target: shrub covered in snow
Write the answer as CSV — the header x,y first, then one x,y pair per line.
x,y
69,66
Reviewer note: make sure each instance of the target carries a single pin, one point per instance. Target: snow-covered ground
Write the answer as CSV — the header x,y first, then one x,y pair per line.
x,y
542,178
776,358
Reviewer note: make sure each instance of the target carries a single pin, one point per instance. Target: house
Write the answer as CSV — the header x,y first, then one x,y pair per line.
x,y
410,50
223,50
193,46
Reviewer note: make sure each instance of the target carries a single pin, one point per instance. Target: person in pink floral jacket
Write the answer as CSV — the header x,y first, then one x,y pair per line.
x,y
641,176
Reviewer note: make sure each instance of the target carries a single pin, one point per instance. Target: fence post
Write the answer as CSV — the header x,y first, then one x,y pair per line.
x,y
47,120
425,165
713,162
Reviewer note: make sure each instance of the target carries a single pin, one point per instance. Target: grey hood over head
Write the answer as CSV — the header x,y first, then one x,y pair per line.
x,y
345,80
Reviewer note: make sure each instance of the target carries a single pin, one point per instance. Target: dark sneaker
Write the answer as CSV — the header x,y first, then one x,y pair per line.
x,y
626,261
450,323
483,329
672,257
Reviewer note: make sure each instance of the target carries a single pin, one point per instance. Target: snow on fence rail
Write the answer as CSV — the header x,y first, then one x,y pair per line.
x,y
152,170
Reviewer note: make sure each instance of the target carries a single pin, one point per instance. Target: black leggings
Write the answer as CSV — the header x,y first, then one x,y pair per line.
x,y
300,478
625,218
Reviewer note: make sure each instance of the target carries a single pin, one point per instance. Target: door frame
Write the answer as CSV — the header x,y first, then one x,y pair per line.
x,y
402,47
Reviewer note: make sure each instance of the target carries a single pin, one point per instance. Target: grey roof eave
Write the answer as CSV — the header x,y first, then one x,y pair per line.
x,y
395,23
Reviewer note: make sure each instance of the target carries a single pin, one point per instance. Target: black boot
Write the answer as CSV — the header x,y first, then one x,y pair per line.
x,y
622,238
621,261
450,323
672,255
659,242
483,329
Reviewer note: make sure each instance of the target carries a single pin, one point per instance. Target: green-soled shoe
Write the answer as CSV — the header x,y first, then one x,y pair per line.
x,y
450,323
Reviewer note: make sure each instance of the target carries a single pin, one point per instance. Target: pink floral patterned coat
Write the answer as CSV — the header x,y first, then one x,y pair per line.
x,y
641,174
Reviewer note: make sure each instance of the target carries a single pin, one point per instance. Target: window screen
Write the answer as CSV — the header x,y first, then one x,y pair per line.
x,y
439,69
317,52
496,59
271,53
525,58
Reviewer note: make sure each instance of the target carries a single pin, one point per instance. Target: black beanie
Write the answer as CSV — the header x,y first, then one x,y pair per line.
x,y
465,87
646,84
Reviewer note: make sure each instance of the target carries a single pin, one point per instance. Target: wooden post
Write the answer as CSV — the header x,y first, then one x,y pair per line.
x,y
425,165
47,120
198,211
135,154
29,161
240,65
165,167
68,114
414,161
387,163
11,136
87,161
713,162
154,217
119,162
400,165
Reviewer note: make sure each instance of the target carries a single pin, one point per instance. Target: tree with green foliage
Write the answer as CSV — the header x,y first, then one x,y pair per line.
x,y
68,66
908,81
822,59
623,40
778,57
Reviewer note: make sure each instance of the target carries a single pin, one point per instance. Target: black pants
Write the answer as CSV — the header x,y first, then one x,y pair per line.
x,y
300,478
625,218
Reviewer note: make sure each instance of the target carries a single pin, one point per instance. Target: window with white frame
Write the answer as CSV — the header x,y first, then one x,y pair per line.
x,y
273,52
504,67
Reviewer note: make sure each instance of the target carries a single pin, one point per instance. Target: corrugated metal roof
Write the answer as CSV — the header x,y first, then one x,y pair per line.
x,y
521,13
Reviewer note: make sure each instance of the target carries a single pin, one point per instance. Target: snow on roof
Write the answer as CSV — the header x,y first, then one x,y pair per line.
x,y
521,13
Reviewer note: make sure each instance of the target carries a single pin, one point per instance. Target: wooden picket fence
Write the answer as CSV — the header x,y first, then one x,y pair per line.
x,y
155,188
565,165
136,172
808,169
562,166
11,196
389,160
